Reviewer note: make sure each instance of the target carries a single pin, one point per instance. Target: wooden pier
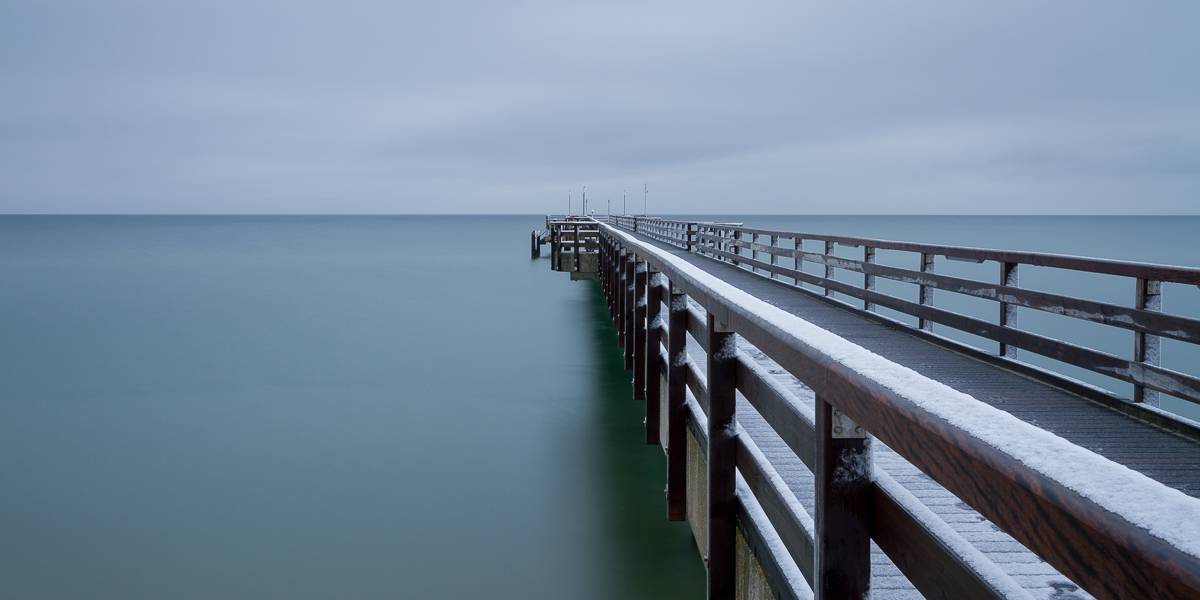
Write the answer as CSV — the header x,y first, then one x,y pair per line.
x,y
819,448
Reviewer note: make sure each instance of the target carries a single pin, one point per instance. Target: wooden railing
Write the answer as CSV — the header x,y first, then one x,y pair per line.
x,y
572,235
1093,544
745,247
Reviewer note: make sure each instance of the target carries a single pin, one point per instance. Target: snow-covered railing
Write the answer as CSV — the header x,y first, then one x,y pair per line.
x,y
573,236
1114,531
761,251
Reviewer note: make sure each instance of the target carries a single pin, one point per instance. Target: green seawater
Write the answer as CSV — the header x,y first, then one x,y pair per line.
x,y
318,407
382,407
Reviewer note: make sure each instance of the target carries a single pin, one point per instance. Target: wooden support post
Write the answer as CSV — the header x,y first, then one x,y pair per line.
x,y
869,280
774,256
735,250
575,242
604,268
639,330
799,266
1146,347
828,267
554,243
843,506
753,252
1008,312
722,459
612,281
926,292
653,364
628,309
619,322
677,373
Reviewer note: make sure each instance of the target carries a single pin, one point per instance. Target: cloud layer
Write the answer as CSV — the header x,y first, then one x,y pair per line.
x,y
462,107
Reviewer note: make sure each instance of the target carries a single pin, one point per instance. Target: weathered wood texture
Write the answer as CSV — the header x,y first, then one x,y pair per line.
x,y
844,509
677,405
722,457
653,362
1092,546
639,331
1147,321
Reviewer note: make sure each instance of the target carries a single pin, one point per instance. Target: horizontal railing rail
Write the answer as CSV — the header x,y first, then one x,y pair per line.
x,y
1088,537
742,246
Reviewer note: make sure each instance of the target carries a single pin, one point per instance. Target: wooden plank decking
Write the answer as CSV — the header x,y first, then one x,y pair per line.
x,y
821,496
1164,456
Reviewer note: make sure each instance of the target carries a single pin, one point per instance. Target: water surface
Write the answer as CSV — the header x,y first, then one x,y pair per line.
x,y
317,407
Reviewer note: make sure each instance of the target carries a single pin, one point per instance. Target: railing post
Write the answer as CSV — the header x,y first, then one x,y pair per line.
x,y
691,241
613,280
1008,312
575,242
1147,347
554,248
601,252
774,256
619,301
639,330
677,372
608,275
628,309
736,250
828,268
799,254
606,270
653,354
843,506
926,291
869,280
753,252
722,459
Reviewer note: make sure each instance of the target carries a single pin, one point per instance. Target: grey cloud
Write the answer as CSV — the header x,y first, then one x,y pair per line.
x,y
928,107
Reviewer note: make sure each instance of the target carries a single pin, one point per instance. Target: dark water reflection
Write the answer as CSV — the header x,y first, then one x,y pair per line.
x,y
317,407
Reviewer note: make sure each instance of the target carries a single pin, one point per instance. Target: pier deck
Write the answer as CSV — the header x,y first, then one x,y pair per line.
x,y
1165,456
872,455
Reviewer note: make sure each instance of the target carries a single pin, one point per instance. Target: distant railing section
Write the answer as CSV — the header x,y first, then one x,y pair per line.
x,y
1098,549
573,235
748,247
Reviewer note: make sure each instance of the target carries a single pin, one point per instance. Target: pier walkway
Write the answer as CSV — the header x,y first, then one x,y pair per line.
x,y
878,480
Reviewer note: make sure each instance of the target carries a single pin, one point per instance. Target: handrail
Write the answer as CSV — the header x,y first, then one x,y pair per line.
x,y
1096,540
727,242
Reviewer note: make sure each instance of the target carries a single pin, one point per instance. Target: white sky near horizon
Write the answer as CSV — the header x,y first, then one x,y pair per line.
x,y
474,107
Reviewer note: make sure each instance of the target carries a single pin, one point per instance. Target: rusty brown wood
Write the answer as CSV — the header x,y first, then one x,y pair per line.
x,y
639,331
926,561
1107,555
767,397
628,309
795,538
1147,347
1153,377
722,460
677,376
1171,326
1009,278
926,291
1172,273
843,507
619,321
654,330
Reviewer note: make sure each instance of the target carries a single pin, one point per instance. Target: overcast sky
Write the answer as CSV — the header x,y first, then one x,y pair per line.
x,y
254,106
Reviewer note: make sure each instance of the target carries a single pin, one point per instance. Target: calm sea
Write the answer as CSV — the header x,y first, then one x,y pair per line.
x,y
362,407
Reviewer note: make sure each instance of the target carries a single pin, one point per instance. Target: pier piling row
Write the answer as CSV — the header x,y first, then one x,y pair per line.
x,y
758,540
